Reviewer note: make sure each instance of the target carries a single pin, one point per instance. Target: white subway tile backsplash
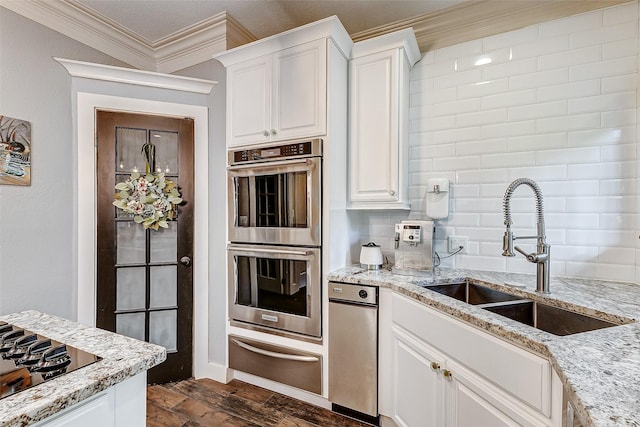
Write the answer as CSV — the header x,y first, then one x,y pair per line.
x,y
598,36
456,163
621,152
502,160
538,111
498,145
539,79
572,24
611,67
620,48
570,57
512,68
541,47
568,90
508,99
619,14
511,38
612,119
568,123
537,142
610,136
617,187
608,102
575,220
621,83
602,170
568,155
481,60
526,127
617,221
557,104
600,204
483,88
479,176
431,123
456,135
481,118
457,79
463,49
539,173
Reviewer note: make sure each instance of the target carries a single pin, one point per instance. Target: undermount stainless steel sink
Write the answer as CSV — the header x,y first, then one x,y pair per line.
x,y
472,294
542,316
548,318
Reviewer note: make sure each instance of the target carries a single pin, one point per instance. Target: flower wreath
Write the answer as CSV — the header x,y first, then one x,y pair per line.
x,y
151,199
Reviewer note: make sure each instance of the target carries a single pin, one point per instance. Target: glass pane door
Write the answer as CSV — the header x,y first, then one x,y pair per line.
x,y
146,260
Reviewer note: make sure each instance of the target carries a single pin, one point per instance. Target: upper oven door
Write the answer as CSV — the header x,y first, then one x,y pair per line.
x,y
276,202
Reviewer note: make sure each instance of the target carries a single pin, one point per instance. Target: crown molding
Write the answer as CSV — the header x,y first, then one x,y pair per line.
x,y
481,18
110,73
188,47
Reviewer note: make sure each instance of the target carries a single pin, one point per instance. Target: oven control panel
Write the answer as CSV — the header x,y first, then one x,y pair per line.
x,y
274,152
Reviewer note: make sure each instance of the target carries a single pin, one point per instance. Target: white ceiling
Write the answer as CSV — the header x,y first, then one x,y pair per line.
x,y
153,20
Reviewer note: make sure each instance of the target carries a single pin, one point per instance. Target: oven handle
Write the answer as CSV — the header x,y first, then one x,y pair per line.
x,y
295,357
269,164
270,251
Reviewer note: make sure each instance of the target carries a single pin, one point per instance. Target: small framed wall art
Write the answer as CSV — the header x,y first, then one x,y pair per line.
x,y
15,151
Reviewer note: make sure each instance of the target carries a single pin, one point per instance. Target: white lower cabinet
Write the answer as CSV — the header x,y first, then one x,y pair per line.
x,y
443,372
123,405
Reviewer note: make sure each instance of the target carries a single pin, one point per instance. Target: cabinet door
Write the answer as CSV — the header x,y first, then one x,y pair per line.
x,y
417,387
473,401
249,102
374,132
299,91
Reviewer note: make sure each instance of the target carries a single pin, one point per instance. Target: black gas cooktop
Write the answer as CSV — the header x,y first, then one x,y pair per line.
x,y
28,359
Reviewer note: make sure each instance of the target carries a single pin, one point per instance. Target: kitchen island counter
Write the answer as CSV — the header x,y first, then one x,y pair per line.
x,y
599,369
122,358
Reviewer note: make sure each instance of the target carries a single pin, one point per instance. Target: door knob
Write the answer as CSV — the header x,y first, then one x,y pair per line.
x,y
185,260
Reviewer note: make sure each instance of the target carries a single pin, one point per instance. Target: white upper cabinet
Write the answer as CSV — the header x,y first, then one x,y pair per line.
x,y
378,120
277,87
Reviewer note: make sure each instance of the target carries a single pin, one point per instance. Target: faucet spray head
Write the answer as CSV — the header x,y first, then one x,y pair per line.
x,y
507,243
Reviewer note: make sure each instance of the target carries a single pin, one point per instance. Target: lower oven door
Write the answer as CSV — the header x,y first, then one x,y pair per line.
x,y
277,287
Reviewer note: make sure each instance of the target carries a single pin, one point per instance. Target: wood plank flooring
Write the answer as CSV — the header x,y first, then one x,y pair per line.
x,y
204,402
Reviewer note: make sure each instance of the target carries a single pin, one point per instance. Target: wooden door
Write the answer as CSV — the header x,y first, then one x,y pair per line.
x,y
144,276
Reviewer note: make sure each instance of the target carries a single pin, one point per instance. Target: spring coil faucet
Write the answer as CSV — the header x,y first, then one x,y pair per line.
x,y
542,257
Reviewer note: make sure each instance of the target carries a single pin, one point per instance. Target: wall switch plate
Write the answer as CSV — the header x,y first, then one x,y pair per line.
x,y
454,243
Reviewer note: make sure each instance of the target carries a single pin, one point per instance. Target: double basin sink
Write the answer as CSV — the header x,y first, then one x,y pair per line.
x,y
540,315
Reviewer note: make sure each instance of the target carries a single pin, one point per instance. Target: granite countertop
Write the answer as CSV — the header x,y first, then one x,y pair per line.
x,y
122,358
600,369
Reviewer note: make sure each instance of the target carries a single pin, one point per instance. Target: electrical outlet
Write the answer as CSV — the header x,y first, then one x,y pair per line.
x,y
455,242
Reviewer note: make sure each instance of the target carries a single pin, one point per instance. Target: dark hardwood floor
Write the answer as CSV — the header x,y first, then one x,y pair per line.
x,y
204,402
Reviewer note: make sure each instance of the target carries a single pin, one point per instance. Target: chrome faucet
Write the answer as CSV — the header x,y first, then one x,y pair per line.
x,y
542,257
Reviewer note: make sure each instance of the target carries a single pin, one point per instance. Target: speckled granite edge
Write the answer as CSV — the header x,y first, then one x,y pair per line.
x,y
600,369
123,358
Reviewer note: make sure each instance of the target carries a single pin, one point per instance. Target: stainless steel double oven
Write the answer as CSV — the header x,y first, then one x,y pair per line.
x,y
275,236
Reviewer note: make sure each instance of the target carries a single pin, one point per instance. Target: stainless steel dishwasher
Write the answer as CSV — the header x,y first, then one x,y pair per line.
x,y
353,350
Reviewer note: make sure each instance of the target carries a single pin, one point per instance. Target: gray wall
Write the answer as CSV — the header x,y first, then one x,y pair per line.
x,y
36,222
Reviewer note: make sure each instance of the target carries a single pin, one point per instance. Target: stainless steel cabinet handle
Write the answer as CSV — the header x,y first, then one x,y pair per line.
x,y
295,357
392,193
273,132
265,132
185,260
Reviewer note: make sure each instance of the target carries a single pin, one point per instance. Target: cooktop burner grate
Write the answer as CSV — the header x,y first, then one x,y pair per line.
x,y
28,359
